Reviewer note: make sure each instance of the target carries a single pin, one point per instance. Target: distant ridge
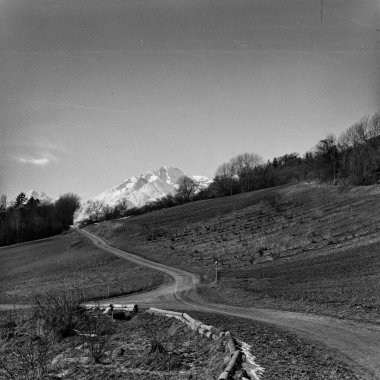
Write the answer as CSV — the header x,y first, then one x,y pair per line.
x,y
138,191
40,195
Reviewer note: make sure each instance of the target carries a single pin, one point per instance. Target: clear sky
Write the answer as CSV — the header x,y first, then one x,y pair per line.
x,y
95,91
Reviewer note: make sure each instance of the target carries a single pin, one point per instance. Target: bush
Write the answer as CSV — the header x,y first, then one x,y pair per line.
x,y
59,309
95,329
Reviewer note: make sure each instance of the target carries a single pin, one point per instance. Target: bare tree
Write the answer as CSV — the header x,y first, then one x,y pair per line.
x,y
3,201
226,176
359,149
244,166
94,210
122,206
187,187
326,154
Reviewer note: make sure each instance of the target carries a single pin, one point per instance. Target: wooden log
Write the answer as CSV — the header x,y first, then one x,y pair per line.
x,y
225,375
193,324
193,327
215,330
187,317
181,319
231,347
165,312
230,343
233,361
202,331
200,324
206,327
124,307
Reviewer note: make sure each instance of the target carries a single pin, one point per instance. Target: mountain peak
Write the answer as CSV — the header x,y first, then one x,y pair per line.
x,y
40,195
138,191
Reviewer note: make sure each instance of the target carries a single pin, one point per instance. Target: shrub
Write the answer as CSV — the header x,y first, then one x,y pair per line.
x,y
59,308
95,329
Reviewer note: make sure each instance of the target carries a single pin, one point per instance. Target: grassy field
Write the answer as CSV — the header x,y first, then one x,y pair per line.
x,y
302,247
35,266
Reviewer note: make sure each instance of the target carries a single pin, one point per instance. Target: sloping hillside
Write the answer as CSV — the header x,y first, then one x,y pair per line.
x,y
69,258
330,234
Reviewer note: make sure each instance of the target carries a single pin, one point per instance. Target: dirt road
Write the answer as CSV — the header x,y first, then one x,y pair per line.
x,y
357,344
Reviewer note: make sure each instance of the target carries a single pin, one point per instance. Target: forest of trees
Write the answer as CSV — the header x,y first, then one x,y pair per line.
x,y
29,219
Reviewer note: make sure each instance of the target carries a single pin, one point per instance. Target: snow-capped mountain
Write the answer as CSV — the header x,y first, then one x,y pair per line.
x,y
41,196
138,191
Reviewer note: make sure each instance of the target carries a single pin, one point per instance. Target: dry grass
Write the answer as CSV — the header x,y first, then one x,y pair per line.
x,y
187,354
128,354
68,258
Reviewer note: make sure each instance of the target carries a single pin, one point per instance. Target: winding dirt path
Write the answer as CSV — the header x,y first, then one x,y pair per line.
x,y
356,343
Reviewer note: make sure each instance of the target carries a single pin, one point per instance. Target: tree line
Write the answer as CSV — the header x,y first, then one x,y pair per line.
x,y
353,158
26,219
